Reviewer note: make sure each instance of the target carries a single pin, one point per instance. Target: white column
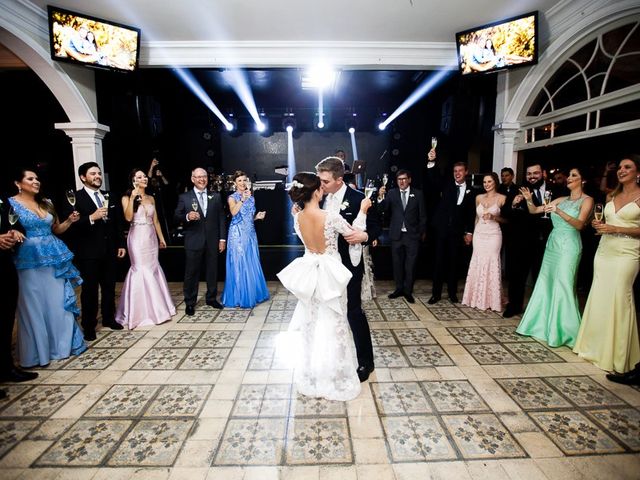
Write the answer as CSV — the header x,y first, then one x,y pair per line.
x,y
86,143
504,155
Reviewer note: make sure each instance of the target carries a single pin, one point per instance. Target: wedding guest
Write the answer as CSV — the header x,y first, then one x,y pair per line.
x,y
47,307
205,231
483,288
97,242
325,364
9,372
608,335
508,187
145,298
552,314
244,285
453,225
407,228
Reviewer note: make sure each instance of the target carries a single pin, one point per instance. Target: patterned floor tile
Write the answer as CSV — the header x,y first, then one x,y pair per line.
x,y
13,392
584,392
574,434
12,431
262,358
94,359
201,315
41,401
533,393
417,439
152,443
218,339
381,338
446,313
427,356
302,405
262,401
87,443
400,398
482,436
480,314
399,315
161,359
178,401
252,442
454,396
205,359
123,401
533,353
413,336
389,357
470,335
285,304
232,316
179,339
506,334
490,354
267,339
121,339
318,441
622,423
374,316
279,316
392,303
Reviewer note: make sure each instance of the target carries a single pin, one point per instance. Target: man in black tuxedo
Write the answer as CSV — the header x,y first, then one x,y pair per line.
x,y
346,201
525,246
97,240
508,187
453,223
205,233
9,372
407,227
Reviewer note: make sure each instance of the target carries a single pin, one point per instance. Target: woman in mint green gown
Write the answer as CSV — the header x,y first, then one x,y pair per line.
x,y
552,314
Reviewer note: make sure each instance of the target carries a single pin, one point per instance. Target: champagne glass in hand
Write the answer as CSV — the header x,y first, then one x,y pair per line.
x,y
105,204
71,198
598,213
12,216
547,200
385,179
194,205
369,189
434,142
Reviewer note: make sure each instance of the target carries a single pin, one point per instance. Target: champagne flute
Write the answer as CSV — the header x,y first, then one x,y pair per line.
x,y
547,200
13,216
434,142
71,198
194,205
385,179
598,212
105,204
369,189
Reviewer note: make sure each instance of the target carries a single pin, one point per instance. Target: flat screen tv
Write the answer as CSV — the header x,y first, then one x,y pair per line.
x,y
85,40
504,44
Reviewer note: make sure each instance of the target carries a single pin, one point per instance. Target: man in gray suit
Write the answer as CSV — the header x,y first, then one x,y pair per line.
x,y
407,227
205,231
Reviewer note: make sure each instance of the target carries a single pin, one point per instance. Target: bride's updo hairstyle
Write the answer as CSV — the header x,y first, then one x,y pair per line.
x,y
303,186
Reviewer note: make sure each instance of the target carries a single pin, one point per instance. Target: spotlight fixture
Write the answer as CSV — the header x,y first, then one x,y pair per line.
x,y
231,125
351,123
352,130
289,122
320,122
381,122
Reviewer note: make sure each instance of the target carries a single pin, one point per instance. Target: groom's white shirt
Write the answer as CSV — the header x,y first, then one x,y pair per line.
x,y
334,200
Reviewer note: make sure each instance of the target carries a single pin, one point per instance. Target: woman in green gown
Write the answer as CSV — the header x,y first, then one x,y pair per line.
x,y
552,314
608,335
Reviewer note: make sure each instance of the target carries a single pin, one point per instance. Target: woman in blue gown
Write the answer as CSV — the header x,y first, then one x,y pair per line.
x,y
244,285
47,308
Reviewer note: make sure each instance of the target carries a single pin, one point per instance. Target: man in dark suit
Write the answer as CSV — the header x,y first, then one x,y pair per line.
x,y
205,232
346,201
508,187
97,241
407,227
9,372
453,223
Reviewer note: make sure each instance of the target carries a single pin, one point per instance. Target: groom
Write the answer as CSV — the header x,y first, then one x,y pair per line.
x,y
346,201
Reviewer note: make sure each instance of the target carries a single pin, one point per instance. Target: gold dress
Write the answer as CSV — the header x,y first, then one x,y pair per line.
x,y
608,335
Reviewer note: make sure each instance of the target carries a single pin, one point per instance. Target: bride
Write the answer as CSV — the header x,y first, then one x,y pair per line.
x,y
326,363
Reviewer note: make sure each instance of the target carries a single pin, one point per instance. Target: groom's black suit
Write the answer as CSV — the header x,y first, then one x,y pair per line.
x,y
355,315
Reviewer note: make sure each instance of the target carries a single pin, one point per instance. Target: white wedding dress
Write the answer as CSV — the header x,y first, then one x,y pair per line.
x,y
326,361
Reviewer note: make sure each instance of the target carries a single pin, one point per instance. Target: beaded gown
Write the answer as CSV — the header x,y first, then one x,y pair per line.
x,y
47,306
608,334
245,285
552,314
145,298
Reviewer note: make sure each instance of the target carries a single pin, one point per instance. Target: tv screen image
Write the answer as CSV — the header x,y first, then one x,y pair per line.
x,y
85,40
505,44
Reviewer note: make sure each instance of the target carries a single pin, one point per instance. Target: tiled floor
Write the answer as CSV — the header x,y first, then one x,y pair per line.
x,y
456,394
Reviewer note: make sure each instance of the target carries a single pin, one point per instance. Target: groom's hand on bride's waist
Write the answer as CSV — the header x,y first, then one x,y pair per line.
x,y
356,237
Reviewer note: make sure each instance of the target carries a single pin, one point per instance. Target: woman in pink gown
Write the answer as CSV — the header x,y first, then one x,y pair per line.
x,y
483,289
145,297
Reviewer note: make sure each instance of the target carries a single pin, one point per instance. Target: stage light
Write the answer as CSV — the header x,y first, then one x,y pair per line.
x,y
232,124
380,121
238,81
351,122
381,126
352,130
192,84
320,76
289,129
289,121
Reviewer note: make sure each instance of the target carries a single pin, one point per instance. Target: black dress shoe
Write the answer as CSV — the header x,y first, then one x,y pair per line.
x,y
629,378
90,335
434,299
510,312
409,298
395,294
112,325
364,372
215,304
3,394
190,310
17,375
453,299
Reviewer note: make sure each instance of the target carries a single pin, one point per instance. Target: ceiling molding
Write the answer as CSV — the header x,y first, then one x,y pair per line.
x,y
391,55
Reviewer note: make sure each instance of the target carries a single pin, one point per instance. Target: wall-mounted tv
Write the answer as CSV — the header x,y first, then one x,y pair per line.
x,y
85,40
508,43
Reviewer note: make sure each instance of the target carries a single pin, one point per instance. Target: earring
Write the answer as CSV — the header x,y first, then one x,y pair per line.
x,y
637,179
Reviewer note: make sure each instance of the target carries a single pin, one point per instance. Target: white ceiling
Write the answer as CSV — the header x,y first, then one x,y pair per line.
x,y
302,20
